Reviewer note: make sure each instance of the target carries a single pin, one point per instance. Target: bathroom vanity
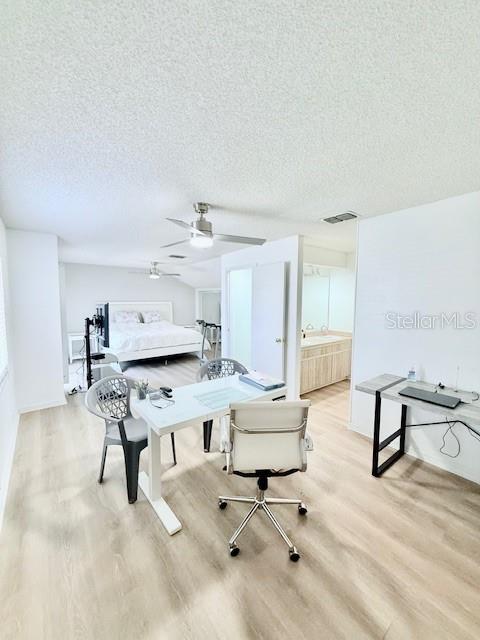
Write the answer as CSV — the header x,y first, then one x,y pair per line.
x,y
326,358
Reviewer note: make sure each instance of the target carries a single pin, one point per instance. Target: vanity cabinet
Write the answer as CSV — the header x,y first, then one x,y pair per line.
x,y
325,364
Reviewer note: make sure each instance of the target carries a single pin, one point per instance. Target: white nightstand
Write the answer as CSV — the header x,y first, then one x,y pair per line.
x,y
76,346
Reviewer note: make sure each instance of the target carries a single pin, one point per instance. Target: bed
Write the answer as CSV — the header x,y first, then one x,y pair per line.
x,y
141,330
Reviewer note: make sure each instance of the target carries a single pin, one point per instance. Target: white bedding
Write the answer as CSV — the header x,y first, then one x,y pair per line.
x,y
139,336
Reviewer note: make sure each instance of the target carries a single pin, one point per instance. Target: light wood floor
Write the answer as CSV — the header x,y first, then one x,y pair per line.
x,y
393,558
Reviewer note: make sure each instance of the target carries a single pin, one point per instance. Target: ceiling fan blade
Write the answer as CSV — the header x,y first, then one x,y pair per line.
x,y
185,225
240,239
170,274
173,244
180,223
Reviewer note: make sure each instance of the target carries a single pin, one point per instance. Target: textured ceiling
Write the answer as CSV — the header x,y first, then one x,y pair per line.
x,y
115,115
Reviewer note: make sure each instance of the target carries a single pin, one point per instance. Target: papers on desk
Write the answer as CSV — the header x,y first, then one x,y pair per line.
x,y
221,398
158,400
261,381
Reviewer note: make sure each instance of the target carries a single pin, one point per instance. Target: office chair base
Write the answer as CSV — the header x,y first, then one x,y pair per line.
x,y
260,502
294,555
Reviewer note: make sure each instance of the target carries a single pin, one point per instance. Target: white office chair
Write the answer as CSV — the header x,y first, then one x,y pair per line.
x,y
263,440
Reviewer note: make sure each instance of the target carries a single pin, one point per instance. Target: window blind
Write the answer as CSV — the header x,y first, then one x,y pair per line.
x,y
3,329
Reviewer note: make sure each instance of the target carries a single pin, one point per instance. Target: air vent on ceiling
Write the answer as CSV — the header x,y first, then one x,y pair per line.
x,y
348,215
175,255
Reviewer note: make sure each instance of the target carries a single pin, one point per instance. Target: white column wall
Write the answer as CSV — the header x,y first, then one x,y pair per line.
x,y
424,259
8,405
35,319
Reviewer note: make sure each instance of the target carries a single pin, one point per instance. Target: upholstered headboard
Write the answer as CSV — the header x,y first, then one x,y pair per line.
x,y
164,308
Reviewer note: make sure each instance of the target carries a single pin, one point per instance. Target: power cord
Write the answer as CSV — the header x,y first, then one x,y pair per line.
x,y
475,395
82,386
444,441
451,423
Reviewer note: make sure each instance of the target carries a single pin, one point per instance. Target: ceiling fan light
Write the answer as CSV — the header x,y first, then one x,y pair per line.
x,y
154,272
201,242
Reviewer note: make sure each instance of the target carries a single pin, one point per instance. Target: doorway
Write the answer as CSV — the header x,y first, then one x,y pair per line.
x,y
255,327
208,305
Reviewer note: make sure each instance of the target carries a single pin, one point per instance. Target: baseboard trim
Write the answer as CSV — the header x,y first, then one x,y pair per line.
x,y
367,431
43,405
7,470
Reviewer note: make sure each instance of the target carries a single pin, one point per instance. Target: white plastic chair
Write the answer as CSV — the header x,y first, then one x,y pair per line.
x,y
211,370
264,440
109,398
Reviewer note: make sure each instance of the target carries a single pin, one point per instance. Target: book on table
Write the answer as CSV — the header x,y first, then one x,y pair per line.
x,y
261,380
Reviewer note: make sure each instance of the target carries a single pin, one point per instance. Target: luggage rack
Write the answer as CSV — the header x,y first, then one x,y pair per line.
x,y
213,333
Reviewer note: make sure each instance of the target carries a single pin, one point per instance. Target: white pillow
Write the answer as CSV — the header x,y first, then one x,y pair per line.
x,y
152,316
127,316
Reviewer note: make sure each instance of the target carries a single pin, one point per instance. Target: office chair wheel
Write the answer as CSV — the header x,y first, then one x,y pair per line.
x,y
302,509
234,550
222,504
294,555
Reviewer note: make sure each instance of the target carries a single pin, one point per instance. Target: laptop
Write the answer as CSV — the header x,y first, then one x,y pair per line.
x,y
441,399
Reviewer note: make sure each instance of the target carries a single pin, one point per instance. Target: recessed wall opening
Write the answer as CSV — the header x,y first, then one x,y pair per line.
x,y
328,301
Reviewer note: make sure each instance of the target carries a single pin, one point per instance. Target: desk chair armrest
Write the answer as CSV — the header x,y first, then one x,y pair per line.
x,y
307,445
225,441
226,444
308,442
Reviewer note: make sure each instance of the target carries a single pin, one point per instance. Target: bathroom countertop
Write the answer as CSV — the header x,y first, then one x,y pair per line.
x,y
315,341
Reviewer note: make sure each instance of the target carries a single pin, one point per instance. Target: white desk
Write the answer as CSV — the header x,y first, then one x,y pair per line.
x,y
187,411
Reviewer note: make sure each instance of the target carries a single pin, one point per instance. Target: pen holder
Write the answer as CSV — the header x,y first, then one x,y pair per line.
x,y
142,387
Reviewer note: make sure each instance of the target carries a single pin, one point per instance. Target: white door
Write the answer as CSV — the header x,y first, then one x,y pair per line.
x,y
268,319
238,329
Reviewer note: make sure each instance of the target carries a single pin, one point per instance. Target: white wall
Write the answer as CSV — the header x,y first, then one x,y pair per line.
x,y
63,319
36,330
204,274
315,299
289,250
8,407
87,285
329,294
424,259
324,257
342,296
208,304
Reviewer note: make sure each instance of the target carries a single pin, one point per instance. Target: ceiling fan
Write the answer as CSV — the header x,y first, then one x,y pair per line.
x,y
154,272
201,231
